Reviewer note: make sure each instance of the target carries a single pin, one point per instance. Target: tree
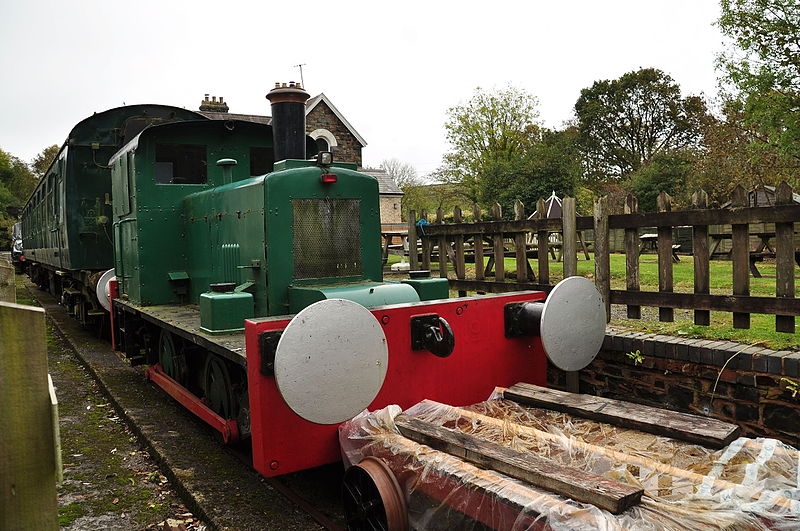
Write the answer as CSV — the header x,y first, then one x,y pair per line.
x,y
761,68
487,133
403,173
42,161
664,173
626,122
16,183
549,164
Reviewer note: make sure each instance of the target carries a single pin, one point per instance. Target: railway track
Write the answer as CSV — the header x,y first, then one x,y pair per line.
x,y
216,482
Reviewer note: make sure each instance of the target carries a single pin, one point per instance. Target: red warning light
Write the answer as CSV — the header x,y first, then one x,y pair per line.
x,y
329,178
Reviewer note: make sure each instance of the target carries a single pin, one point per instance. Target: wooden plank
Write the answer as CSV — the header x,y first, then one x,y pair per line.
x,y
740,255
632,257
784,259
499,251
426,243
700,257
722,216
520,246
645,463
717,303
413,259
682,426
569,237
442,245
567,481
27,459
543,240
664,203
489,286
478,245
602,264
8,288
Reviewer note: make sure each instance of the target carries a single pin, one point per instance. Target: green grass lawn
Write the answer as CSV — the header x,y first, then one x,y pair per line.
x,y
762,327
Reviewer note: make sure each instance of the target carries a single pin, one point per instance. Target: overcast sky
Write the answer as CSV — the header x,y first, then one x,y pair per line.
x,y
392,68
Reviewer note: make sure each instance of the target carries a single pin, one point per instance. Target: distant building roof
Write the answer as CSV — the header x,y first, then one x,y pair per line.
x,y
233,116
206,110
386,185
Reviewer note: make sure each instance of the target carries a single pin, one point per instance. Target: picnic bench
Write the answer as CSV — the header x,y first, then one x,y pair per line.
x,y
649,242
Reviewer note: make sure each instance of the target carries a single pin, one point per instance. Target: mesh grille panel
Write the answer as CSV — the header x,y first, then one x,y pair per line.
x,y
327,238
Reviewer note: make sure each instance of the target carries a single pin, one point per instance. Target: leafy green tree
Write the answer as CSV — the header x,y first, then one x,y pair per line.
x,y
16,183
42,161
761,68
550,164
664,173
624,123
487,134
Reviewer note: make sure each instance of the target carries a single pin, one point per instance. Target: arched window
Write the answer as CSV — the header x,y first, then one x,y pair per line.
x,y
325,139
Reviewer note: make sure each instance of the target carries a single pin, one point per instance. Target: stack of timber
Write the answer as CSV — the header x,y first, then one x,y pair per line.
x,y
535,455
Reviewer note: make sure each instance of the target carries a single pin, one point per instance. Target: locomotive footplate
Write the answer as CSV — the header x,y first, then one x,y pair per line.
x,y
184,321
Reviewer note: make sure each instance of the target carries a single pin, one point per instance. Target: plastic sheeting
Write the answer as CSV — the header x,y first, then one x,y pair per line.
x,y
750,484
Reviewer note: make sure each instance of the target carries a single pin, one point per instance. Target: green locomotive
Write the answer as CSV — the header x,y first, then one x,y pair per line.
x,y
210,230
66,223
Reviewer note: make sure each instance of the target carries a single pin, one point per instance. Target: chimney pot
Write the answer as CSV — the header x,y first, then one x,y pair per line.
x,y
214,99
206,97
220,100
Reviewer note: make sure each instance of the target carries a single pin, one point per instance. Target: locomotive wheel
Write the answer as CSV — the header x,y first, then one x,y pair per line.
x,y
372,497
217,386
172,361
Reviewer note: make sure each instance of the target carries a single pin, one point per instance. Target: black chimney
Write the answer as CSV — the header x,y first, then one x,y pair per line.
x,y
288,120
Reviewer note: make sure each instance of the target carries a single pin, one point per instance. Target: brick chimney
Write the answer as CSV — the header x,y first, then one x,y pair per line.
x,y
213,105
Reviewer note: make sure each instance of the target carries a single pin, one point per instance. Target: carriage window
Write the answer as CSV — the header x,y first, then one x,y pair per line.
x,y
180,164
262,160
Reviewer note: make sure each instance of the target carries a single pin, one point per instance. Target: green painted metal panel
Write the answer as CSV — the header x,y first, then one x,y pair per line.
x,y
222,313
364,293
430,289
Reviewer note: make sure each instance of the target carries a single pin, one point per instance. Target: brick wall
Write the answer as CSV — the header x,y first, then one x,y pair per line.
x,y
348,148
390,209
681,374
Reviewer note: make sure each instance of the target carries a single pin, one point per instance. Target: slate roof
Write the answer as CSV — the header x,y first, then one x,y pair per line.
x,y
310,105
233,116
386,185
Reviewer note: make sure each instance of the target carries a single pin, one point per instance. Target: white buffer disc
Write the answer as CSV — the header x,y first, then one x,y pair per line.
x,y
331,361
573,323
103,289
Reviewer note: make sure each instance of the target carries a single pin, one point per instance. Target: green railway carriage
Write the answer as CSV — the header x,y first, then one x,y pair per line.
x,y
67,221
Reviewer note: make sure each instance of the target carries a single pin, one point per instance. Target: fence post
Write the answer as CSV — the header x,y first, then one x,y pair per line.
x,y
784,259
569,237
664,204
499,249
458,244
413,259
740,254
632,257
520,246
442,244
543,241
27,460
8,288
700,257
602,264
478,244
426,244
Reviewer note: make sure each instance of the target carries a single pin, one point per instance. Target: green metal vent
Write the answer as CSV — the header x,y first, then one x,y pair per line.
x,y
327,238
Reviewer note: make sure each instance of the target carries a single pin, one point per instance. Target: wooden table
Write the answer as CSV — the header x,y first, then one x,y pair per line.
x,y
649,242
388,236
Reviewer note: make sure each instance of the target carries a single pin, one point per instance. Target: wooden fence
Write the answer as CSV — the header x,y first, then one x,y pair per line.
x,y
481,242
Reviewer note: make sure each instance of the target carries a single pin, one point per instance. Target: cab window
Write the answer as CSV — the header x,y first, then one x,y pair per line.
x,y
180,164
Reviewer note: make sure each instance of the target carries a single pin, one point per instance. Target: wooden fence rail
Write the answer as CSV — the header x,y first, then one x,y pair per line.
x,y
486,243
